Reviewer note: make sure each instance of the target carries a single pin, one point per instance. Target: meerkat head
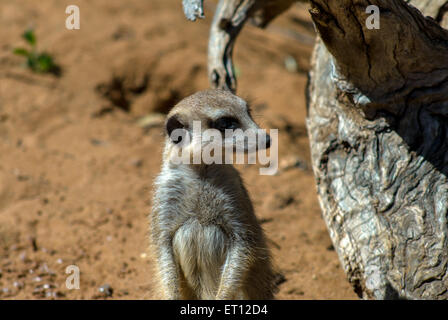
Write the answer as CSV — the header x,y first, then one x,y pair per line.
x,y
214,118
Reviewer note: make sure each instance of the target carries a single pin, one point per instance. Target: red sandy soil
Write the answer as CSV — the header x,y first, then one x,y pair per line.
x,y
78,152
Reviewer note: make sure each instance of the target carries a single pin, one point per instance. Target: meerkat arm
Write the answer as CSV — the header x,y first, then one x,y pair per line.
x,y
236,265
168,271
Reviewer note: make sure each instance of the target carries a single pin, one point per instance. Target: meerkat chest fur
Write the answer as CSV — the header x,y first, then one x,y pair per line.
x,y
206,209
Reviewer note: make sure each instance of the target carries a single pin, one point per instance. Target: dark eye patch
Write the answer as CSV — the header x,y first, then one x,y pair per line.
x,y
172,124
224,123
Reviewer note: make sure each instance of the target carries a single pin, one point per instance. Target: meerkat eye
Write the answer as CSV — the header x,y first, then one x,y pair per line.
x,y
224,123
173,125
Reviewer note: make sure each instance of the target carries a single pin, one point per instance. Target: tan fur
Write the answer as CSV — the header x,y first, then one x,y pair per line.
x,y
205,236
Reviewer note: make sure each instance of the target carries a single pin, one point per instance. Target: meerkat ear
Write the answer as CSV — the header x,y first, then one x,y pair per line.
x,y
172,124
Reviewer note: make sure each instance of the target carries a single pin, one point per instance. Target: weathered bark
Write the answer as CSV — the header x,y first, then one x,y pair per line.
x,y
229,19
378,128
193,9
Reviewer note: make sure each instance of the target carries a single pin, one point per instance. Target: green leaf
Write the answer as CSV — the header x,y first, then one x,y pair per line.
x,y
30,37
31,63
45,63
21,52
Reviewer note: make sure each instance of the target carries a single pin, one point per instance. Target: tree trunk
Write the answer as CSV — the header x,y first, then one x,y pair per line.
x,y
378,128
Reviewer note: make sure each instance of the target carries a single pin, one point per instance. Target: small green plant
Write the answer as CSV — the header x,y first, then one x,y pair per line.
x,y
40,62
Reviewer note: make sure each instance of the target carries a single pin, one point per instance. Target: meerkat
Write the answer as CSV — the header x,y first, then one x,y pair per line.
x,y
204,233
